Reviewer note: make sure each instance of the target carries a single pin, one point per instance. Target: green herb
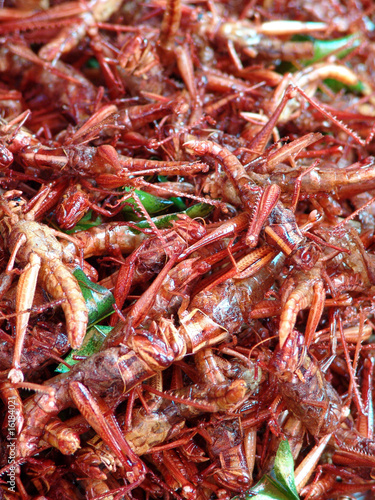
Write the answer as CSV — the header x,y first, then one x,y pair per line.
x,y
153,204
178,202
336,86
99,303
86,222
92,343
323,48
163,221
279,484
98,299
93,63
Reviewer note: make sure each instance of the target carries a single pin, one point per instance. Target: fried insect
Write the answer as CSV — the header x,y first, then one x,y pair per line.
x,y
102,97
309,396
35,246
155,343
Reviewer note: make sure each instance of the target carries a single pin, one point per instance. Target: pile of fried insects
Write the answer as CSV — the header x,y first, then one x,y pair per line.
x,y
187,218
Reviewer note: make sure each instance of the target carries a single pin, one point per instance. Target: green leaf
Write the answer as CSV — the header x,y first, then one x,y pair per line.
x,y
86,222
93,63
284,468
163,221
153,204
199,210
178,202
279,484
336,86
266,489
92,343
323,48
99,300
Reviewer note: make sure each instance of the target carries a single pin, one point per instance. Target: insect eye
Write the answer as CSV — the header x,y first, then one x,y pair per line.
x,y
305,256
